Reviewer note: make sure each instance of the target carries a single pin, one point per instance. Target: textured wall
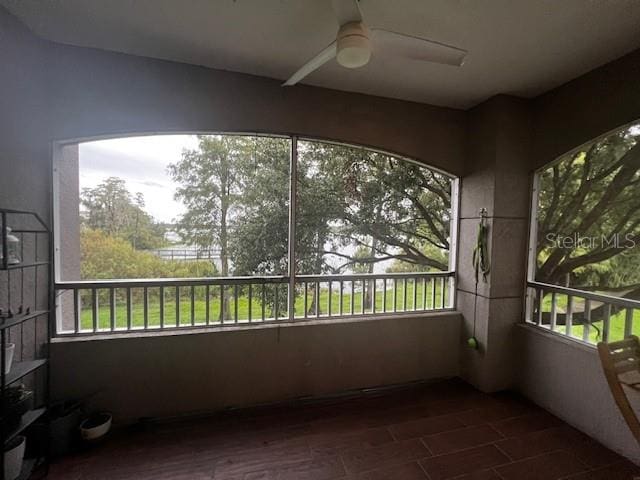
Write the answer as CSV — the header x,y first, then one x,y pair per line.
x,y
172,375
497,179
595,103
566,378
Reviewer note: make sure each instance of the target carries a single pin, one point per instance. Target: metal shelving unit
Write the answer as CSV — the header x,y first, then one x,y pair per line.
x,y
25,320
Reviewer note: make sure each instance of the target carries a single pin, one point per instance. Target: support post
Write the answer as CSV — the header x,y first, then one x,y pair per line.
x,y
293,184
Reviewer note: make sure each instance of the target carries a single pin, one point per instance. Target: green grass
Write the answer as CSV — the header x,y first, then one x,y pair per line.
x,y
616,322
199,305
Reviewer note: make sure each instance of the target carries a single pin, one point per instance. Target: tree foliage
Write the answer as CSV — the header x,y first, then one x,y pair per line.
x,y
105,256
110,207
589,216
236,192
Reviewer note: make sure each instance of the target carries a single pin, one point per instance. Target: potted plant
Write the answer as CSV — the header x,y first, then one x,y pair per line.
x,y
481,268
13,455
64,419
17,401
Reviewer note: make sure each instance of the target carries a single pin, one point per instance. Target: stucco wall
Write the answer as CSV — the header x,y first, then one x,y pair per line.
x,y
566,378
177,374
578,111
97,93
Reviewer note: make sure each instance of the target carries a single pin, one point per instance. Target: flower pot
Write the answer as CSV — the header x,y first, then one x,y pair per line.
x,y
13,455
64,422
95,427
9,348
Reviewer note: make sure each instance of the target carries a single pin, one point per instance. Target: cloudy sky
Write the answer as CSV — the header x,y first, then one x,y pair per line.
x,y
142,162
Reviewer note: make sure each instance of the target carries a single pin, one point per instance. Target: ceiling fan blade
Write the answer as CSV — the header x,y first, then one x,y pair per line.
x,y
316,62
416,48
347,11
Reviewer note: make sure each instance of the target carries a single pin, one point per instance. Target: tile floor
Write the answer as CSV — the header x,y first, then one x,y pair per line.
x,y
445,430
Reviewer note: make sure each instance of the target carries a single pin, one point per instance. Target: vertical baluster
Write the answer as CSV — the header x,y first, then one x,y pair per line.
x,y
76,310
433,293
112,309
568,321
222,301
395,294
554,315
341,308
94,309
404,294
606,320
353,297
177,299
250,302
539,296
364,289
235,303
276,302
161,293
264,300
373,295
443,292
145,307
415,294
128,308
628,322
586,329
384,295
424,293
329,299
193,305
207,304
317,287
306,299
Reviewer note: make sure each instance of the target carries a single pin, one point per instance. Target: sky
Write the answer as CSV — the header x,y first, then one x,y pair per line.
x,y
142,162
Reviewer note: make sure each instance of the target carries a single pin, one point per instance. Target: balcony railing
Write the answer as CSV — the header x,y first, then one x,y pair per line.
x,y
584,316
116,306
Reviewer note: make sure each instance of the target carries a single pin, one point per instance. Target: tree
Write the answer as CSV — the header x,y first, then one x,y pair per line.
x,y
379,202
589,216
110,207
236,190
233,189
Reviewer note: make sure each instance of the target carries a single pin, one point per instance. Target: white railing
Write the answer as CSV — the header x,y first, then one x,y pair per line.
x,y
116,306
582,315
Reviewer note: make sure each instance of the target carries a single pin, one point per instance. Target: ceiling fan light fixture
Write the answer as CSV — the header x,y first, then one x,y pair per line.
x,y
353,46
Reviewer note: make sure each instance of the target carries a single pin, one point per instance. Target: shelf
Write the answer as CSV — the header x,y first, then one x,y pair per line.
x,y
20,369
16,320
26,421
21,266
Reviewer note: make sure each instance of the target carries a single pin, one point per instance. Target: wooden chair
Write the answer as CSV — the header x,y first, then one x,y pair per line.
x,y
621,365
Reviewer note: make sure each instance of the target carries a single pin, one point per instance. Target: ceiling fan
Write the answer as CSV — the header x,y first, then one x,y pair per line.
x,y
355,41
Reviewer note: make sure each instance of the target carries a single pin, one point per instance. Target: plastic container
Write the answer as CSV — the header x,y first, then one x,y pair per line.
x,y
95,427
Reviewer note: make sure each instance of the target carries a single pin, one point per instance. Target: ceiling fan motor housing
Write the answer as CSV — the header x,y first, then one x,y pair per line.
x,y
353,46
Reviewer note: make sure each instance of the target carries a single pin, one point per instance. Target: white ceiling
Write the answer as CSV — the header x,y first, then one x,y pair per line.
x,y
519,47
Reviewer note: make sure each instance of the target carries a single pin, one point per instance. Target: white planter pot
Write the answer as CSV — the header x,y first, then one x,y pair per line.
x,y
13,458
90,430
9,348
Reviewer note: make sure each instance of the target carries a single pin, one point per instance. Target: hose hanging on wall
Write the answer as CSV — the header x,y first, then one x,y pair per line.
x,y
481,267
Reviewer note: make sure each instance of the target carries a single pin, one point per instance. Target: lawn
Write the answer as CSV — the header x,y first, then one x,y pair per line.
x,y
616,322
199,304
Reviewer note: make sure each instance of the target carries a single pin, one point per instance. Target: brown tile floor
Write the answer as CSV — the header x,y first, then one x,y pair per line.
x,y
438,431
